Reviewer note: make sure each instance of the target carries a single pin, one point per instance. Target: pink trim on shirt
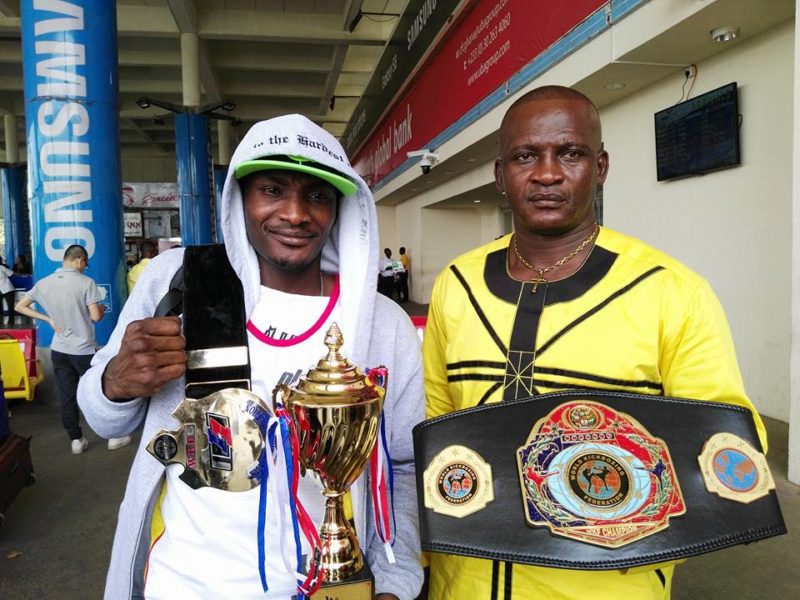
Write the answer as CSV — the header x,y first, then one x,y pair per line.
x,y
303,336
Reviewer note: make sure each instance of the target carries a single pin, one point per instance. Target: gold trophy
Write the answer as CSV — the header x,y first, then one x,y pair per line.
x,y
336,411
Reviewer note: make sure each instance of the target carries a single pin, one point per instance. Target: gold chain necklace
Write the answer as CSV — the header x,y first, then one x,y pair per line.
x,y
540,273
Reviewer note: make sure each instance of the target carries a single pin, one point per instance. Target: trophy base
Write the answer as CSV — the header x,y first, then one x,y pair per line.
x,y
360,586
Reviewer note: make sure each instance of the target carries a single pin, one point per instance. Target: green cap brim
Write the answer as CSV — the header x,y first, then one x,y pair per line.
x,y
341,183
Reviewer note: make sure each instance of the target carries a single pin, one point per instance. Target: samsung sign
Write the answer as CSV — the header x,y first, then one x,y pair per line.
x,y
71,113
419,25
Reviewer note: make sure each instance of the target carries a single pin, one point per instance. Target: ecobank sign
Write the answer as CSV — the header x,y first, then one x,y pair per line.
x,y
71,112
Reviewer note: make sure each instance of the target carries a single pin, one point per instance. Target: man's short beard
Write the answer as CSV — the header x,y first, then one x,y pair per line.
x,y
287,266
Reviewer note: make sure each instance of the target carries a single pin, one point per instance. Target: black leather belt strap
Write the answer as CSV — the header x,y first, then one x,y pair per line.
x,y
500,530
213,323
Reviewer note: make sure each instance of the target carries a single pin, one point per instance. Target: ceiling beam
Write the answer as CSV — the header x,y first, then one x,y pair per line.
x,y
9,8
10,26
184,13
351,9
284,27
131,124
10,51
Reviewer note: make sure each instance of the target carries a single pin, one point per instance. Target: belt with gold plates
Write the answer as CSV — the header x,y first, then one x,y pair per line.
x,y
593,480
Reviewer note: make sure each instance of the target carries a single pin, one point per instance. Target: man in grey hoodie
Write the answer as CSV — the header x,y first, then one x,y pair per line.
x,y
300,232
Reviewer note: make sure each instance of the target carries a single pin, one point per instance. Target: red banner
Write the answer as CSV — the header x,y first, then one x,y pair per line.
x,y
494,41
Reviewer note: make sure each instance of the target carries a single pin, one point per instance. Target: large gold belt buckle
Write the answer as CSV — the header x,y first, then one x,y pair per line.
x,y
595,474
219,440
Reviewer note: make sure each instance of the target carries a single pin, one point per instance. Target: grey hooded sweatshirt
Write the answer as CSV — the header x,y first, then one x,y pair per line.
x,y
376,331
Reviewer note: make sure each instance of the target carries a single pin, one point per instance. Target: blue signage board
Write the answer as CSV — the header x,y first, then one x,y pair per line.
x,y
71,110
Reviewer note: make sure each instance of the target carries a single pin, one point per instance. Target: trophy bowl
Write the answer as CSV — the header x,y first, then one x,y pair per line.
x,y
336,411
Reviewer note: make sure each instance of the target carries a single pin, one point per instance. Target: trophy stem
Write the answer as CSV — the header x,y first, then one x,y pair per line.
x,y
340,555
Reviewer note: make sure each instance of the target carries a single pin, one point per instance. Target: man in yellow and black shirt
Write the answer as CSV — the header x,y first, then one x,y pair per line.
x,y
565,304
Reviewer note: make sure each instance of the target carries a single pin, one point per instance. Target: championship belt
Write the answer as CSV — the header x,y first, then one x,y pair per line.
x,y
593,480
221,433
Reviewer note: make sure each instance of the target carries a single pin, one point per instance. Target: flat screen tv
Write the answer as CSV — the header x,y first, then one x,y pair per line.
x,y
698,135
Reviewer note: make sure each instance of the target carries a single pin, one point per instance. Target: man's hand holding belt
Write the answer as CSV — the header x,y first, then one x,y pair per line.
x,y
151,355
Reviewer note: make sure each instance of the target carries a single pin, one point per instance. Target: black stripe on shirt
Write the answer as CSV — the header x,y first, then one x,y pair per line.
x,y
560,385
466,364
508,586
589,377
475,377
495,578
644,383
597,308
489,392
489,329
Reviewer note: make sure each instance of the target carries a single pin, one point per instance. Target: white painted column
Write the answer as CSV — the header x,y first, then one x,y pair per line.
x,y
223,142
12,144
794,365
190,68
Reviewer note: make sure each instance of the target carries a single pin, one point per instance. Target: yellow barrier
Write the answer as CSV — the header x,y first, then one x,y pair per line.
x,y
16,381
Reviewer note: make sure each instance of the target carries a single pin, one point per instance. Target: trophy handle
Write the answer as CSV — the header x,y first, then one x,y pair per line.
x,y
286,393
378,376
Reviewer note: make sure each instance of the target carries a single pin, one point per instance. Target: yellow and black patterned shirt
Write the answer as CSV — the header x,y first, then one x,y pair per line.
x,y
630,319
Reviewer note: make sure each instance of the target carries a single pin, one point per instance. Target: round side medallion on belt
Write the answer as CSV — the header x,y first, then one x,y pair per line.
x,y
165,446
733,469
458,482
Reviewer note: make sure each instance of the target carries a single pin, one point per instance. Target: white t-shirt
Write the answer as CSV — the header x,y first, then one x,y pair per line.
x,y
209,547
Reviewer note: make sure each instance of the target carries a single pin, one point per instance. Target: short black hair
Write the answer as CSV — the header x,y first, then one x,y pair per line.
x,y
75,251
148,247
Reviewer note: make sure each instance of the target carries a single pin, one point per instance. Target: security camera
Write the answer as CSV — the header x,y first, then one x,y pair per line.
x,y
425,164
427,159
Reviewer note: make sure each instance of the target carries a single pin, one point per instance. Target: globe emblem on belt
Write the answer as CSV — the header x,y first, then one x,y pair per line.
x,y
735,470
732,468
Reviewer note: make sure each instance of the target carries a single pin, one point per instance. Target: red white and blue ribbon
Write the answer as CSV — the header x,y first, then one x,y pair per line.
x,y
382,487
309,583
267,425
282,450
382,478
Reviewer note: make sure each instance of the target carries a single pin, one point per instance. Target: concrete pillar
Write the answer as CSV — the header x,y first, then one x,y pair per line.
x,y
12,144
190,68
794,362
221,171
224,142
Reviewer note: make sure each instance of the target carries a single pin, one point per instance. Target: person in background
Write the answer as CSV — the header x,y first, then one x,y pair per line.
x,y
21,265
562,304
386,274
72,304
402,276
148,251
7,291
